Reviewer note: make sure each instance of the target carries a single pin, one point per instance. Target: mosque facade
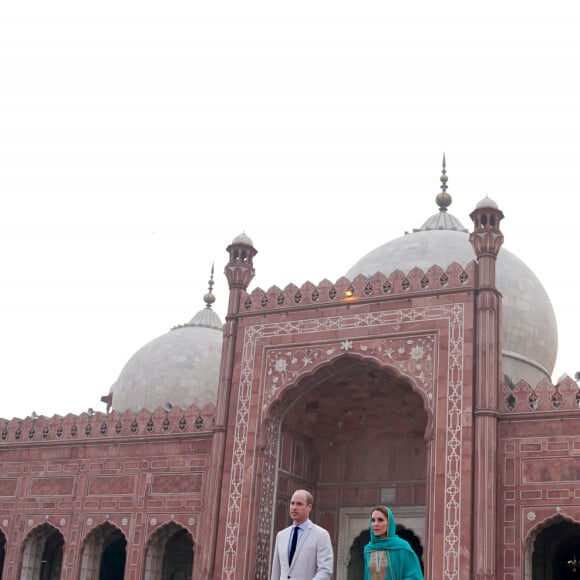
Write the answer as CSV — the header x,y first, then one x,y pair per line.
x,y
421,379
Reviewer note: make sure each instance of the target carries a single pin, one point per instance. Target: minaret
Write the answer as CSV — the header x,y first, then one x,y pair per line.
x,y
486,240
239,272
240,269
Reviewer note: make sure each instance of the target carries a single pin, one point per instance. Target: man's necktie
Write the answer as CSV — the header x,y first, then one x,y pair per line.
x,y
293,543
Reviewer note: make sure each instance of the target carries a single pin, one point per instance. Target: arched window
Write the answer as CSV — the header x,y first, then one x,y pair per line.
x,y
556,551
42,554
169,554
104,554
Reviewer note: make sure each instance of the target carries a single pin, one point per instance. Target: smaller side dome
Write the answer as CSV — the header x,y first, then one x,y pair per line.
x,y
180,367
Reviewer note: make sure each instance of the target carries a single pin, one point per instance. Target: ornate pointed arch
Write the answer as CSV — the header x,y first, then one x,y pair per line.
x,y
169,552
339,367
290,383
42,550
543,525
557,517
94,544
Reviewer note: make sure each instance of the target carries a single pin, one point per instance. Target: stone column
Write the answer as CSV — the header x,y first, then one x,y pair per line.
x,y
486,240
239,272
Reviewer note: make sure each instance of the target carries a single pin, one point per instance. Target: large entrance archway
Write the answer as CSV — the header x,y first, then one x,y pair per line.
x,y
556,552
354,434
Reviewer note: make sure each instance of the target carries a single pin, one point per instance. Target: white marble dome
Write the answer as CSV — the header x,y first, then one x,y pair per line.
x,y
529,333
180,368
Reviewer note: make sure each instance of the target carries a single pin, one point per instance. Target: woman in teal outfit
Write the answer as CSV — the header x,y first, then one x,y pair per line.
x,y
386,556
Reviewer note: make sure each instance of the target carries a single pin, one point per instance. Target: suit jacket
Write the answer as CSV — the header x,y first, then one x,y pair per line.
x,y
313,559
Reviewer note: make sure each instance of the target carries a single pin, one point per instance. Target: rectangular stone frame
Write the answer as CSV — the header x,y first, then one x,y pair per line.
x,y
353,520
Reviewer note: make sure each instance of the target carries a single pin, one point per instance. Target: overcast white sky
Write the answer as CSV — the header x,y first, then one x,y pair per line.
x,y
137,139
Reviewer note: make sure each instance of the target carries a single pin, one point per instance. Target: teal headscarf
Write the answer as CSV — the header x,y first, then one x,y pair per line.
x,y
404,562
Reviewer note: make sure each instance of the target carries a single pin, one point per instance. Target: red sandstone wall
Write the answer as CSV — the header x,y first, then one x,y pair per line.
x,y
539,458
136,471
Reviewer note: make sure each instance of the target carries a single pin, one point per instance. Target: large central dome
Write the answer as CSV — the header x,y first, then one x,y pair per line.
x,y
529,331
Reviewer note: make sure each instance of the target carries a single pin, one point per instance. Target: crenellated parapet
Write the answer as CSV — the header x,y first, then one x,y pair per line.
x,y
544,397
361,288
103,426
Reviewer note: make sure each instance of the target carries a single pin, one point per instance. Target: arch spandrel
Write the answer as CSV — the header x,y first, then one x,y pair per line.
x,y
539,524
412,356
41,528
340,366
168,527
102,529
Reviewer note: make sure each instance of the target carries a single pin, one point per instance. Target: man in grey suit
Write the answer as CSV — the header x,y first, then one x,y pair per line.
x,y
303,551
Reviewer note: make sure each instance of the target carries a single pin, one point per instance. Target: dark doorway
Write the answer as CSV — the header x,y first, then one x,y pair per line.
x,y
178,557
556,554
356,562
2,552
113,559
104,554
51,562
42,554
170,554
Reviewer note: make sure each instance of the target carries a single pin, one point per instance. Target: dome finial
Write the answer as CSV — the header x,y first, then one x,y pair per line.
x,y
443,199
209,298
